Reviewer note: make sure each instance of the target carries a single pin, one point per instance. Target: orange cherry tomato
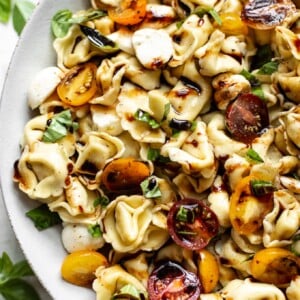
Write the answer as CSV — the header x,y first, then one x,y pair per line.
x,y
79,85
208,268
275,265
232,24
79,267
130,12
246,211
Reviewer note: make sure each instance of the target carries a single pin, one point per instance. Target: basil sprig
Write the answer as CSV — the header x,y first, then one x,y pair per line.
x,y
150,188
12,284
261,187
252,155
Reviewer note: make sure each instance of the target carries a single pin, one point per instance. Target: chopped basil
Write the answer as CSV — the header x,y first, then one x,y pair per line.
x,y
253,155
201,11
166,111
60,24
187,232
268,68
22,10
255,84
154,155
185,215
95,230
258,91
144,116
102,201
261,187
295,246
128,292
58,126
64,19
43,218
150,188
263,55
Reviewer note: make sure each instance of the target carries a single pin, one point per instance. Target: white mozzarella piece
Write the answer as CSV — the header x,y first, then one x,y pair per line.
x,y
153,47
75,237
43,85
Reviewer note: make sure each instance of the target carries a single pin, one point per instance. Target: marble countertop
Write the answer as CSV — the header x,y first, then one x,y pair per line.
x,y
8,242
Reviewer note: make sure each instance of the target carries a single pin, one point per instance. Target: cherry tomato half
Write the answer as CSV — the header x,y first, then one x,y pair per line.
x,y
246,117
266,14
130,12
79,85
246,211
192,224
79,267
172,281
208,269
275,265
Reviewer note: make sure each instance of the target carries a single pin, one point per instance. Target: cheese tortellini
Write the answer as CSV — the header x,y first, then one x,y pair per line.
x,y
189,100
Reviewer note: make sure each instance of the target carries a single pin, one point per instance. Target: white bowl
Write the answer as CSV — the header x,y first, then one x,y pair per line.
x,y
34,51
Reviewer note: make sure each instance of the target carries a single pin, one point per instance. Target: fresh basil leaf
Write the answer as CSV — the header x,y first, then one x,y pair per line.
x,y
43,218
5,9
20,269
263,55
58,127
251,78
201,11
87,16
95,230
102,201
150,188
6,266
18,289
261,187
268,68
22,10
253,155
258,91
154,155
144,116
185,215
128,292
59,22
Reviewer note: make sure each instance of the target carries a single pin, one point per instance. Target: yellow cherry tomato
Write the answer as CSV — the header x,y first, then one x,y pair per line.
x,y
232,24
246,212
275,265
79,85
208,270
130,12
79,267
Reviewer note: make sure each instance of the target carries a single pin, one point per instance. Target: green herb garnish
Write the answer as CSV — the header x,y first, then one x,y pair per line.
x,y
154,155
185,215
145,117
261,187
102,201
268,68
64,19
201,11
255,84
12,284
43,218
150,188
129,292
95,231
58,127
263,55
253,156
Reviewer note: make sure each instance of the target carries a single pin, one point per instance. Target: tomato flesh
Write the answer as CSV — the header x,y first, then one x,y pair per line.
x,y
171,281
130,12
197,229
79,85
246,117
275,266
79,267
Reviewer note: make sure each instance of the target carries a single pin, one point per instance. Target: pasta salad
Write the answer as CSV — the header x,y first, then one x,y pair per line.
x,y
165,140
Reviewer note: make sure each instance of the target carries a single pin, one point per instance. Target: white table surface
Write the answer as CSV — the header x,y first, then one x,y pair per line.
x,y
8,242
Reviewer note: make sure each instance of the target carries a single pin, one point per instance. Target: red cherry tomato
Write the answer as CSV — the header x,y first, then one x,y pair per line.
x,y
246,117
192,224
172,281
